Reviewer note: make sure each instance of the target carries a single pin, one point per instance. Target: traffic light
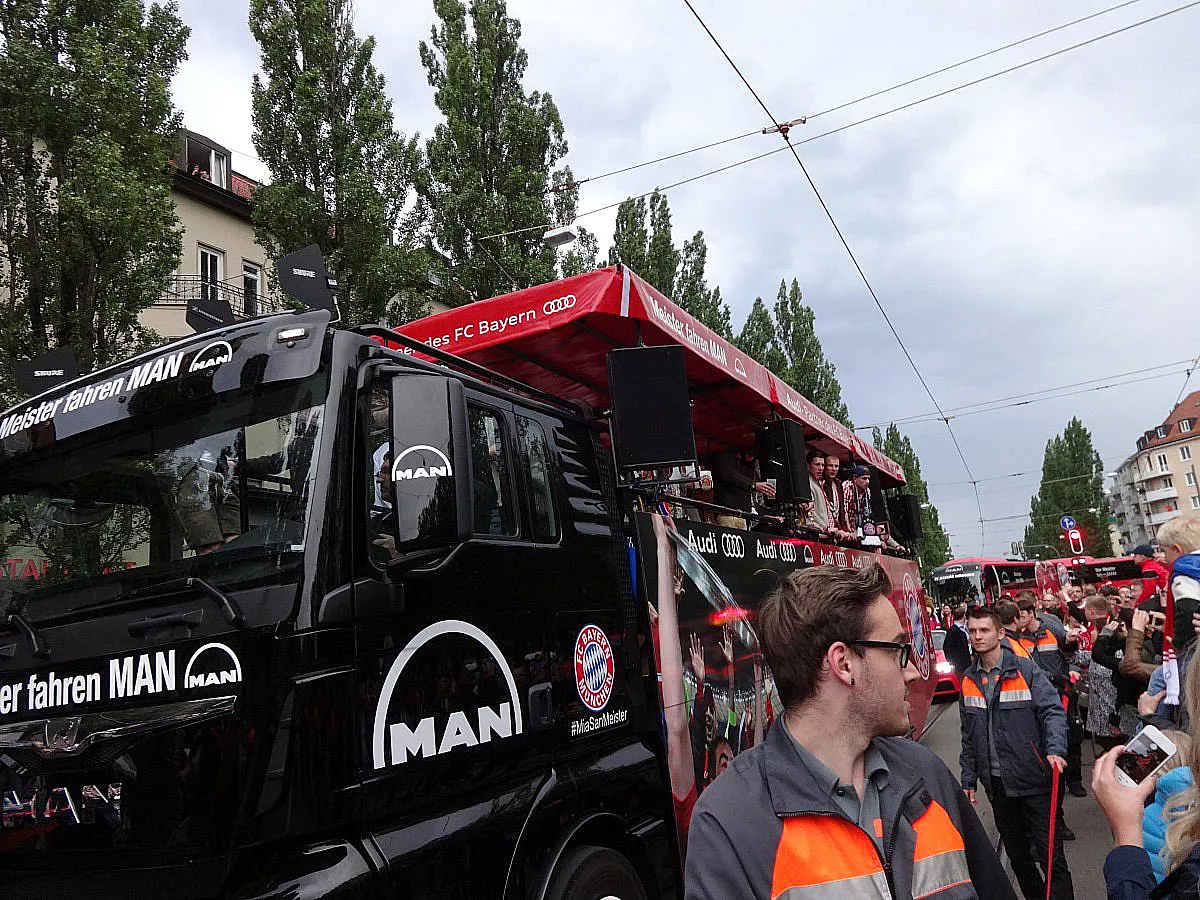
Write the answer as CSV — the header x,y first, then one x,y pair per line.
x,y
1075,539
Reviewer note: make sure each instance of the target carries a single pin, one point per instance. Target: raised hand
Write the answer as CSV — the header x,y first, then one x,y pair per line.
x,y
696,654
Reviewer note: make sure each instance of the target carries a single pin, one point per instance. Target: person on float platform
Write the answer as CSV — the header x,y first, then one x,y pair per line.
x,y
836,802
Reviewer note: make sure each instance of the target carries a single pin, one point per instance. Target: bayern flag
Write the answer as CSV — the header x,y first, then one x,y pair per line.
x,y
1169,663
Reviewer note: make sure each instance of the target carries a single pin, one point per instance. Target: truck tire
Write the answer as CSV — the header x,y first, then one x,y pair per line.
x,y
595,873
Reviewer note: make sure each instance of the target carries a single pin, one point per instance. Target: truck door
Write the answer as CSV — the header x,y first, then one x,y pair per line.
x,y
450,649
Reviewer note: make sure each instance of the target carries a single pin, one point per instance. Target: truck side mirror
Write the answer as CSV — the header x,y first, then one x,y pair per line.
x,y
430,463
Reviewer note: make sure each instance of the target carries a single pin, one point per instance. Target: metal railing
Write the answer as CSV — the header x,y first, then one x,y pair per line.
x,y
184,288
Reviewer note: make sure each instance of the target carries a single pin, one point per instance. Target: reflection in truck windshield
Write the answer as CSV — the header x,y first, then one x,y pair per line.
x,y
162,501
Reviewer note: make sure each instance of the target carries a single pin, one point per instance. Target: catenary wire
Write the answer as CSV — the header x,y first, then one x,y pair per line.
x,y
854,259
1187,377
976,58
845,104
854,124
1032,397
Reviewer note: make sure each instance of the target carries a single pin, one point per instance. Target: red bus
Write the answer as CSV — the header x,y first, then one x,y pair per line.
x,y
1120,571
980,580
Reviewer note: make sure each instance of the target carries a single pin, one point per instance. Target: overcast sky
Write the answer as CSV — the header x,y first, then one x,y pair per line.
x,y
1035,230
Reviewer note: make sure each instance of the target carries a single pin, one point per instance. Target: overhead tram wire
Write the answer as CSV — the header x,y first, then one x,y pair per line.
x,y
1034,396
847,103
833,131
971,59
804,119
1187,377
783,131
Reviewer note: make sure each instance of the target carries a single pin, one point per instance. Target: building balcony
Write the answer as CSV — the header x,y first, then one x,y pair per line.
x,y
1168,493
182,289
1159,518
1141,476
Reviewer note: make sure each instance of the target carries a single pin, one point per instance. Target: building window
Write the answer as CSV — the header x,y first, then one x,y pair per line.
x,y
251,278
1168,482
207,164
212,270
1185,425
1162,462
1190,478
1185,453
1161,431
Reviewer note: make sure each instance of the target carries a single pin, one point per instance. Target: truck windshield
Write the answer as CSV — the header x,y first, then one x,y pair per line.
x,y
955,587
220,493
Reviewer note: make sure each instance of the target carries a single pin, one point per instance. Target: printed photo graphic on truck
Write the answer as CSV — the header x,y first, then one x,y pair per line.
x,y
157,675
718,697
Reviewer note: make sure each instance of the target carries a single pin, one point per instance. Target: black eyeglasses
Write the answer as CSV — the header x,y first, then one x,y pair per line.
x,y
905,649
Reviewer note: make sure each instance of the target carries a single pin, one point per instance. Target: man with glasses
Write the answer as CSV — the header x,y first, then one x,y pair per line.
x,y
1014,731
835,801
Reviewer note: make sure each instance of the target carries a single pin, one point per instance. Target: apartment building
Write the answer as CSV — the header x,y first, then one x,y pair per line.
x,y
220,255
1160,480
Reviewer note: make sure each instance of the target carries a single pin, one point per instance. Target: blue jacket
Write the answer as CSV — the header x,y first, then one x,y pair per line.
x,y
1030,724
1128,876
1154,828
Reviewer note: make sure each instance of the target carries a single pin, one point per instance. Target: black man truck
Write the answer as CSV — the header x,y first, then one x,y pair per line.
x,y
288,609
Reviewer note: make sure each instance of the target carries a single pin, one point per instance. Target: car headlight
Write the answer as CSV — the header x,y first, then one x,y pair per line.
x,y
944,668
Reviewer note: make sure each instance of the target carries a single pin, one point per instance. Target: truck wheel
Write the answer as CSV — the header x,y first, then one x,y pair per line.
x,y
595,873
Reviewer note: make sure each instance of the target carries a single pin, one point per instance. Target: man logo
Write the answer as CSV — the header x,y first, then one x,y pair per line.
x,y
808,555
423,471
211,356
733,546
219,665
738,367
503,721
558,304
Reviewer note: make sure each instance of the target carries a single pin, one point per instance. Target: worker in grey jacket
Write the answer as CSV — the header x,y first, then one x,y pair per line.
x,y
1014,731
836,802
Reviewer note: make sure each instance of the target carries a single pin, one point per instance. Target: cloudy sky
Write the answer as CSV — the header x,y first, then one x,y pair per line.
x,y
1036,230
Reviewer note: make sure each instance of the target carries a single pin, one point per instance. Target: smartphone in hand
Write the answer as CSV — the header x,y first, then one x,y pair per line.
x,y
1144,756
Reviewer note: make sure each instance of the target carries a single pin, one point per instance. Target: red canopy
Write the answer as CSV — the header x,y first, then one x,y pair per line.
x,y
555,337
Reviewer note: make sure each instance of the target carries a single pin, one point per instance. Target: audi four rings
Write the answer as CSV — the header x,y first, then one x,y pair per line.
x,y
558,304
733,545
787,552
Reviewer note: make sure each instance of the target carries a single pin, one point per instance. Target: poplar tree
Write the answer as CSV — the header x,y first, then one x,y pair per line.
x,y
582,256
757,339
693,293
1072,485
490,167
934,547
804,364
88,231
341,175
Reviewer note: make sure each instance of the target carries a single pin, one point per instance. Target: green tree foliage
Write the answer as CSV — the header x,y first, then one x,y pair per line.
x,y
647,248
758,338
86,127
630,236
490,166
1072,485
340,172
583,255
693,293
934,547
804,365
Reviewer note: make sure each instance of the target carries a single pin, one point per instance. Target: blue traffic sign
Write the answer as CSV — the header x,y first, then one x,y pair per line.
x,y
1067,523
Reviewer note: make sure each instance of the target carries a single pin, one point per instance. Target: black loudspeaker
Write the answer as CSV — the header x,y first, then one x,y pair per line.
x,y
879,507
905,511
781,453
651,412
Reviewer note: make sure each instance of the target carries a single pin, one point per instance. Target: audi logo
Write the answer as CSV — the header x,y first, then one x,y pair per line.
x,y
733,545
558,304
787,553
